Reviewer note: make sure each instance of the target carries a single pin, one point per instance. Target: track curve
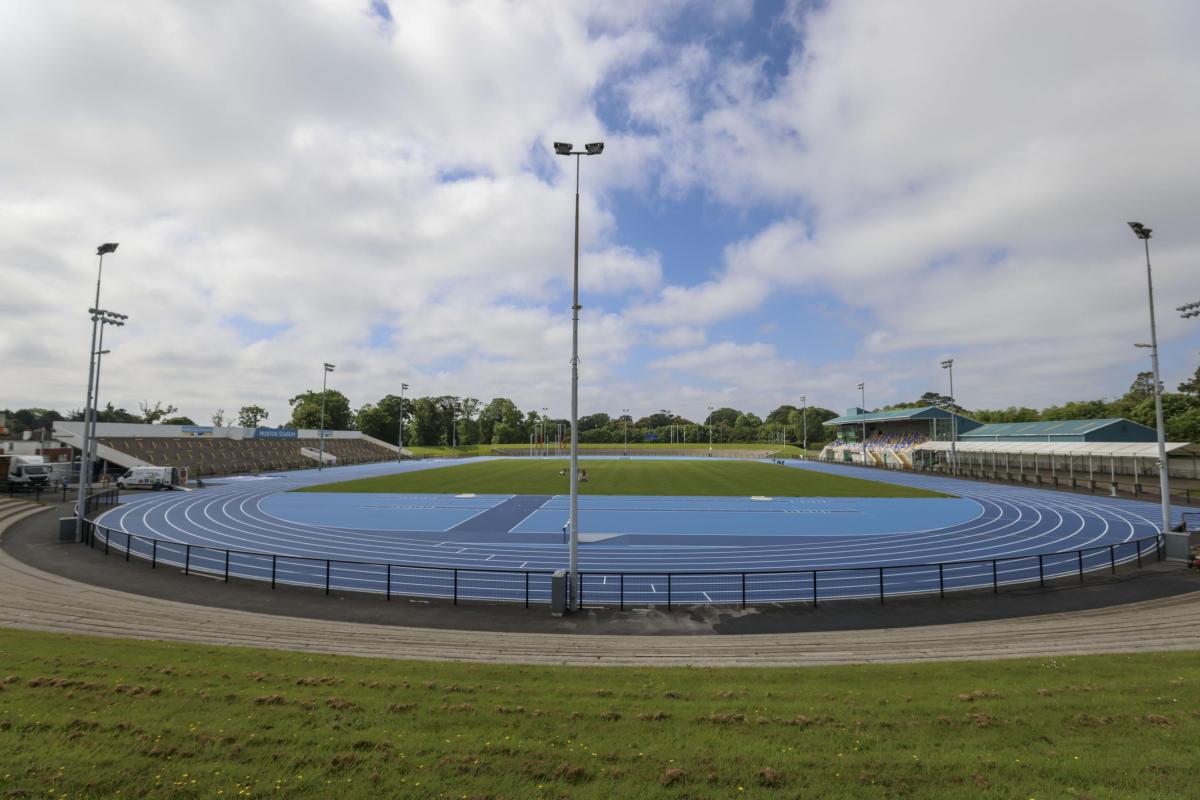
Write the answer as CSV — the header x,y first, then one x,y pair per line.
x,y
1014,525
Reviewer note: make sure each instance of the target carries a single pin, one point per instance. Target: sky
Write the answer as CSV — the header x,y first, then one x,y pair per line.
x,y
794,197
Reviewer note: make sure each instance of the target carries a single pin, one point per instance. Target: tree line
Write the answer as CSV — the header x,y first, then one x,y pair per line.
x,y
448,419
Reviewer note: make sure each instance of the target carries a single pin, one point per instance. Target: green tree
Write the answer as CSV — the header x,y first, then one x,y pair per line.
x,y
153,414
1184,426
382,420
218,418
250,416
781,415
1142,387
110,414
593,422
1192,385
1080,409
501,422
1010,414
178,421
723,416
306,411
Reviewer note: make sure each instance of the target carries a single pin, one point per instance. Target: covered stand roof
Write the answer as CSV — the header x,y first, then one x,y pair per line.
x,y
1058,429
896,415
1097,449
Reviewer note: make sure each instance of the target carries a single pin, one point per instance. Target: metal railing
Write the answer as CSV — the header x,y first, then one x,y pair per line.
x,y
1091,485
622,589
108,497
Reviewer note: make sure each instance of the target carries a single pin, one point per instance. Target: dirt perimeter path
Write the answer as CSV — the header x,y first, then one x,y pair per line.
x,y
34,599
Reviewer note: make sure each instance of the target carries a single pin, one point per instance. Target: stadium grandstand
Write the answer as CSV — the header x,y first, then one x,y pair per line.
x,y
205,451
891,436
1083,453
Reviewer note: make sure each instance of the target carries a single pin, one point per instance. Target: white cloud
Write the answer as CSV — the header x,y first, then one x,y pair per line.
x,y
963,174
958,175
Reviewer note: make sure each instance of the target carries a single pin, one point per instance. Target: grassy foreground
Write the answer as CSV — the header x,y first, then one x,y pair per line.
x,y
91,718
660,478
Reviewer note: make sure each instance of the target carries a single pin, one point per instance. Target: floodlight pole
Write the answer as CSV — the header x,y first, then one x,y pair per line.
x,y
804,419
710,430
400,436
625,427
1177,544
328,368
89,413
861,388
563,149
948,364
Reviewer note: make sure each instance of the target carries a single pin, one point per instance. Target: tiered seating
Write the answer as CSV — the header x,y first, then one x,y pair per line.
x,y
896,441
218,456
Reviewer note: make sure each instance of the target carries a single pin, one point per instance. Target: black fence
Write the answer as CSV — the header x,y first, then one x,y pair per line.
x,y
108,497
622,589
1091,485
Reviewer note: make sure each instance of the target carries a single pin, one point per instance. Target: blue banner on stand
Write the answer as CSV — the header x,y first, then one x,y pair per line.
x,y
275,433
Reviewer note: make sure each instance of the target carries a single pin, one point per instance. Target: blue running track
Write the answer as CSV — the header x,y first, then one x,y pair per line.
x,y
634,550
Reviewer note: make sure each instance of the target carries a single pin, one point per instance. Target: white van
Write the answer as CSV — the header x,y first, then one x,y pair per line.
x,y
147,478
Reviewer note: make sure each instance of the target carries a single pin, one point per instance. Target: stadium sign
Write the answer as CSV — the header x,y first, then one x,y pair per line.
x,y
204,431
275,433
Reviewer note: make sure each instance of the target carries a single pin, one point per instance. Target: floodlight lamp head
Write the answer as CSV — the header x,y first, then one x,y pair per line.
x,y
1140,230
103,352
948,363
329,367
108,247
594,149
563,148
1141,344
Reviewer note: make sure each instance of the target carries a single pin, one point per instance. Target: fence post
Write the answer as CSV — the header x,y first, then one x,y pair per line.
x,y
273,560
1139,553
995,581
941,582
1079,553
814,576
227,566
527,589
743,590
387,591
881,586
128,544
668,591
621,579
1159,544
153,553
456,586
327,576
1041,572
187,559
1112,558
108,535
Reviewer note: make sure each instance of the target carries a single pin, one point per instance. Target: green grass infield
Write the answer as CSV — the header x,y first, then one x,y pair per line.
x,y
617,477
88,717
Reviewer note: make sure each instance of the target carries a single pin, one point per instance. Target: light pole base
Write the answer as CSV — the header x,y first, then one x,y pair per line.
x,y
1177,546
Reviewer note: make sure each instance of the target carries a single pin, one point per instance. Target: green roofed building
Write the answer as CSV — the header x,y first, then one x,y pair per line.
x,y
1069,430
